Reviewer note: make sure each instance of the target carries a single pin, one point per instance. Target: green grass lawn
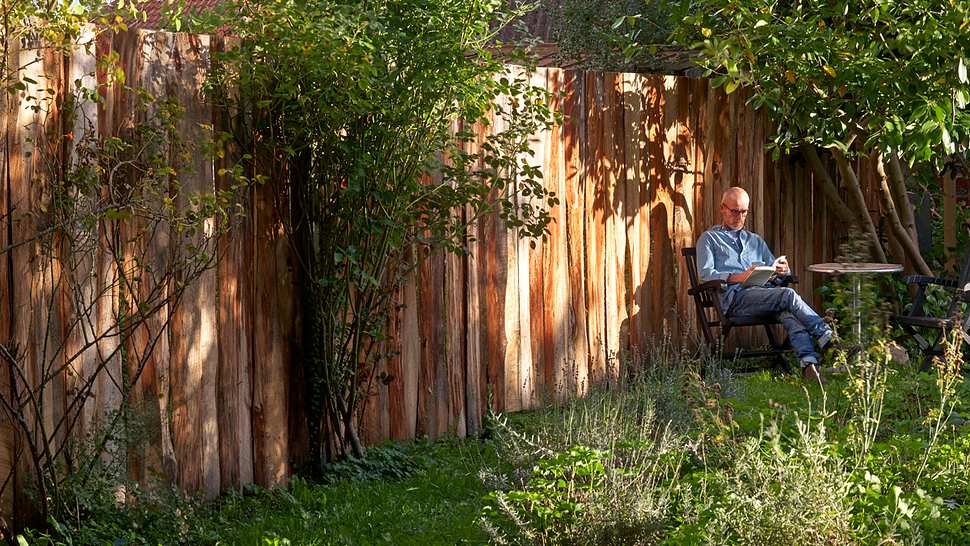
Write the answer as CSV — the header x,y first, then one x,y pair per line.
x,y
438,503
432,493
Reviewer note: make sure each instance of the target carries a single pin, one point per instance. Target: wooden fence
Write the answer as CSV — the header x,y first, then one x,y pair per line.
x,y
639,164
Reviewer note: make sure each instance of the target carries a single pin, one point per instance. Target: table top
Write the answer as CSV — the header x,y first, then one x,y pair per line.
x,y
855,267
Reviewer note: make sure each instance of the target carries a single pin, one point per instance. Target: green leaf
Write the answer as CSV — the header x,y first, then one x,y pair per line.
x,y
731,86
760,23
962,71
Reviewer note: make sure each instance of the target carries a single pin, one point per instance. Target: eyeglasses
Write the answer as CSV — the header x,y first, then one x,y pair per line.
x,y
737,212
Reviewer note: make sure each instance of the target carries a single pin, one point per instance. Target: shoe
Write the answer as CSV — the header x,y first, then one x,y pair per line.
x,y
824,339
810,374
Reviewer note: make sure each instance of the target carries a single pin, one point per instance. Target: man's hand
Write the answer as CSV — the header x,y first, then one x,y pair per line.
x,y
781,266
743,276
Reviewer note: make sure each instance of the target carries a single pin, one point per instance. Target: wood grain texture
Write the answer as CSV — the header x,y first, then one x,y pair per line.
x,y
536,250
235,278
574,201
613,179
595,217
455,351
8,431
273,328
555,258
634,140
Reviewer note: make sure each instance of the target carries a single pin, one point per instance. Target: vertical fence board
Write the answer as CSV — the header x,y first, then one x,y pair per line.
x,y
574,198
615,231
410,357
474,364
558,331
634,139
235,278
663,260
18,260
151,52
455,301
194,342
683,185
595,216
272,332
8,432
493,277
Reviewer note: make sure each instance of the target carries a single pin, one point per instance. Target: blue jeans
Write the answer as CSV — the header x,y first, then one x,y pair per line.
x,y
799,320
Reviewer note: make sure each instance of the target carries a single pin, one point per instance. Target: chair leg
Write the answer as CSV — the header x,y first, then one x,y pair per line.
x,y
781,363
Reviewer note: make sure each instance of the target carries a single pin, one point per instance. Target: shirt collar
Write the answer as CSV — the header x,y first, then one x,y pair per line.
x,y
736,232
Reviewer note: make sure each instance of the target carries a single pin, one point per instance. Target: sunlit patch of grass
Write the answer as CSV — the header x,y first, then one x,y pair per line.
x,y
438,503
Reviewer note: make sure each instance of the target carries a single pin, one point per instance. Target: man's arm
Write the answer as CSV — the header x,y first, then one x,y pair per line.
x,y
705,260
768,258
707,267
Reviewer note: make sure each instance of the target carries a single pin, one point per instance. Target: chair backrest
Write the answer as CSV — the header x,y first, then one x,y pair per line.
x,y
704,299
690,258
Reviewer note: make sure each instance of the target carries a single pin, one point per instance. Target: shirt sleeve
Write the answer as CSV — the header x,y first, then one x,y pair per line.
x,y
766,257
706,266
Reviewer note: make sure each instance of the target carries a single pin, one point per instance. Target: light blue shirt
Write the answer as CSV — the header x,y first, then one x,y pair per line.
x,y
722,252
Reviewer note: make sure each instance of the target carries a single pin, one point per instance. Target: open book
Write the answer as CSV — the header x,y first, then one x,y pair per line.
x,y
762,274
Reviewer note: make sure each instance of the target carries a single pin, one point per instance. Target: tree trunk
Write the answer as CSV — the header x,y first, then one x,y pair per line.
x,y
897,183
822,178
896,251
859,200
908,244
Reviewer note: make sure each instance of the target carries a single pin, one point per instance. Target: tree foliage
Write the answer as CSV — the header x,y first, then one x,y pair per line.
x,y
885,75
586,31
366,110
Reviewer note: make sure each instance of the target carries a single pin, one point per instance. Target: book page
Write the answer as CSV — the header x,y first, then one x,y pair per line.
x,y
760,276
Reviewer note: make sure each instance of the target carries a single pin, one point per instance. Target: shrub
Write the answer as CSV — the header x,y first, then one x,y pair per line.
x,y
778,494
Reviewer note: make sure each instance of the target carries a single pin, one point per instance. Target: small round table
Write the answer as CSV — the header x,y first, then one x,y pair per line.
x,y
855,271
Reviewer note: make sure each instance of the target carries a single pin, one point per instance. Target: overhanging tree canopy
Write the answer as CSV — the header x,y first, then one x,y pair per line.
x,y
854,76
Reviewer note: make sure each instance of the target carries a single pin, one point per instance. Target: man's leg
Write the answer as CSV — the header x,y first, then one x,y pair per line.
x,y
800,321
759,301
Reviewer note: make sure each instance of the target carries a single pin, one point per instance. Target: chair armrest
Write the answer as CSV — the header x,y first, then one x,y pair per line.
x,y
788,279
923,280
709,286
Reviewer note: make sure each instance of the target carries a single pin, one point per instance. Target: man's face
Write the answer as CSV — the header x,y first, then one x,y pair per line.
x,y
734,211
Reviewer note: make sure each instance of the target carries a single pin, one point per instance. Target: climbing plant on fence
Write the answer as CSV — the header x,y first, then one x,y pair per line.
x,y
101,236
360,114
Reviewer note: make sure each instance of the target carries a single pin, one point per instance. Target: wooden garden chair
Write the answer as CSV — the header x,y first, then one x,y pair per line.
x,y
715,326
915,321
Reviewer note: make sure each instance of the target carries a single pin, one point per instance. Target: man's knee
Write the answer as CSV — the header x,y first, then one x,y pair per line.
x,y
789,296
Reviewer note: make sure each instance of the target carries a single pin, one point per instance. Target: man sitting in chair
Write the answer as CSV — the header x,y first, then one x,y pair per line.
x,y
729,253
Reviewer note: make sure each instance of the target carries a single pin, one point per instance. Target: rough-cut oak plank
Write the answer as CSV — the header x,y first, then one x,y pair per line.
x,y
454,317
683,185
235,278
613,173
410,358
574,200
272,329
556,280
595,227
634,140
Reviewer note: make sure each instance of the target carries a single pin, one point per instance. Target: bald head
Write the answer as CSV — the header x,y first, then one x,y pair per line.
x,y
734,194
734,207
